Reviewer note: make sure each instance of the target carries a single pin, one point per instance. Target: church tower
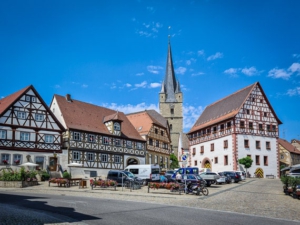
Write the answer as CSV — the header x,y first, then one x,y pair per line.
x,y
170,103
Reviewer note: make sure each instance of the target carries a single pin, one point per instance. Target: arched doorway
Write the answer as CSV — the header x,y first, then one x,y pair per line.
x,y
259,172
132,161
206,164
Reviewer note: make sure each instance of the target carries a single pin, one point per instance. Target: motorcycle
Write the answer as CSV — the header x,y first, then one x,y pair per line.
x,y
197,188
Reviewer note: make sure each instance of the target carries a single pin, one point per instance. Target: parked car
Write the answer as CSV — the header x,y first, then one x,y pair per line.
x,y
242,174
193,178
186,170
147,172
222,179
122,176
235,177
169,172
210,177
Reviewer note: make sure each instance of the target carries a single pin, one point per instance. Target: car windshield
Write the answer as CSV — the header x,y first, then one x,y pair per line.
x,y
129,174
198,177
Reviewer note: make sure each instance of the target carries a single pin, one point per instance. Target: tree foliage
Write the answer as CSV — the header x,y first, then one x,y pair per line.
x,y
174,163
247,162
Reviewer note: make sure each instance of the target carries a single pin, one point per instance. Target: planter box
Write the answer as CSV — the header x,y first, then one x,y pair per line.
x,y
17,184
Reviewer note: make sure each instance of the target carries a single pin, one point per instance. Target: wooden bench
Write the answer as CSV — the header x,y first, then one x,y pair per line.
x,y
270,176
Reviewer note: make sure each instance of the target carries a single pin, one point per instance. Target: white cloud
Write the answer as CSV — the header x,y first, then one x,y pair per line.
x,y
197,74
180,70
131,108
218,55
141,85
128,85
190,116
231,71
57,86
295,67
154,69
139,74
279,73
2,96
188,62
200,52
84,85
293,92
155,85
252,71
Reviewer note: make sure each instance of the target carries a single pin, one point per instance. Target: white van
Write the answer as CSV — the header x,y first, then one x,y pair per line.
x,y
147,172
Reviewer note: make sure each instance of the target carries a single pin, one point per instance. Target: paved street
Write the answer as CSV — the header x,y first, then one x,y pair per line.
x,y
259,197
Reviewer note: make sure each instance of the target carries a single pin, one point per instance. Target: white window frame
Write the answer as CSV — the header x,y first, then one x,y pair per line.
x,y
90,156
76,136
129,144
155,159
3,134
117,126
76,155
150,159
105,140
139,145
91,138
104,158
17,157
27,98
117,142
117,159
24,136
39,117
49,138
21,115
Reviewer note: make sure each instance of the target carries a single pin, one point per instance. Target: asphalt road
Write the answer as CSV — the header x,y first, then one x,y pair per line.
x,y
26,208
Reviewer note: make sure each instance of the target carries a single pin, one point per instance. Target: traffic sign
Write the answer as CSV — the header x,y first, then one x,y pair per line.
x,y
184,157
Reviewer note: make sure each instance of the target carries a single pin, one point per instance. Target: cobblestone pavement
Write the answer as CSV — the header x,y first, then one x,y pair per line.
x,y
260,197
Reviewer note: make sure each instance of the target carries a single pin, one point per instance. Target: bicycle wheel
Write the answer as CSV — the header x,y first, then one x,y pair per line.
x,y
205,191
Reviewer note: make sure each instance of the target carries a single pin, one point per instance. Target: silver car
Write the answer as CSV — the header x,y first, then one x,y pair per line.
x,y
222,179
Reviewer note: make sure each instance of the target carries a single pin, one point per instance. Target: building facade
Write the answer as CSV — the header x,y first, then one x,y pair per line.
x,y
29,132
98,138
289,154
170,103
240,125
153,128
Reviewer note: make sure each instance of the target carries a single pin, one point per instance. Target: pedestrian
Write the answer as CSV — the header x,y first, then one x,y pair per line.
x,y
178,177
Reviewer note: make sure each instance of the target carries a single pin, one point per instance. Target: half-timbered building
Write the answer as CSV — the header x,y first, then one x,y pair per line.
x,y
153,128
98,138
29,132
240,125
289,154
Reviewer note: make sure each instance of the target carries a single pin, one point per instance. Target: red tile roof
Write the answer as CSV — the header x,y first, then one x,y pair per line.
x,y
227,108
288,146
87,117
6,102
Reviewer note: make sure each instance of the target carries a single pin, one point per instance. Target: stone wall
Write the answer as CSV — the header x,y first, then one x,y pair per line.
x,y
17,184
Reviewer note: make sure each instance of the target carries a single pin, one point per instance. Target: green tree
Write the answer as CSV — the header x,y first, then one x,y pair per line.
x,y
247,162
174,163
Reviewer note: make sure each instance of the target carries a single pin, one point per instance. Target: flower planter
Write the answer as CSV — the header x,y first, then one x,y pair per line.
x,y
17,184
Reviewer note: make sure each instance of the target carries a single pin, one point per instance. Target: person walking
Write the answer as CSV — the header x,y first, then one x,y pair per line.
x,y
178,177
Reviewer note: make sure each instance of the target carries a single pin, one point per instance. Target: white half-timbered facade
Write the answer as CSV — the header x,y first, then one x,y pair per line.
x,y
99,138
29,132
240,125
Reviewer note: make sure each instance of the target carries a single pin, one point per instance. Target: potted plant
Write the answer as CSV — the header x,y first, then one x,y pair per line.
x,y
5,161
17,161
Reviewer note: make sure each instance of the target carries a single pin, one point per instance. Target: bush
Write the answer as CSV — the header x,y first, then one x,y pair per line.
x,y
66,175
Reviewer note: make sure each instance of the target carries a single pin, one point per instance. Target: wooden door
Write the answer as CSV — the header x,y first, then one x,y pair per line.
x,y
52,163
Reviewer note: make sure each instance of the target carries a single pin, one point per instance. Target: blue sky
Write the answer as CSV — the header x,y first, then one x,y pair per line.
x,y
113,53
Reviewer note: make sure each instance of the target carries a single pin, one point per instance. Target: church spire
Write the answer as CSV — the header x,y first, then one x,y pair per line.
x,y
170,86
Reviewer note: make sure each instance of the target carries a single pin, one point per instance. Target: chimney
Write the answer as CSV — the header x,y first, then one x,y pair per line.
x,y
68,98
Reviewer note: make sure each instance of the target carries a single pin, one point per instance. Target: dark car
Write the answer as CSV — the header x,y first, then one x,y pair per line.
x,y
235,177
193,178
169,172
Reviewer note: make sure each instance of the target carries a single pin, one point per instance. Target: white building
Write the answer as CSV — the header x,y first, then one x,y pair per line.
x,y
29,132
239,125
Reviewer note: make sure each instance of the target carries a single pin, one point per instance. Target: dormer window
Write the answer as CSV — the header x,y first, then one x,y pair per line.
x,y
117,126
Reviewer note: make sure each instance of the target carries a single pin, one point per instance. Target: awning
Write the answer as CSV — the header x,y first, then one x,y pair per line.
x,y
295,167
